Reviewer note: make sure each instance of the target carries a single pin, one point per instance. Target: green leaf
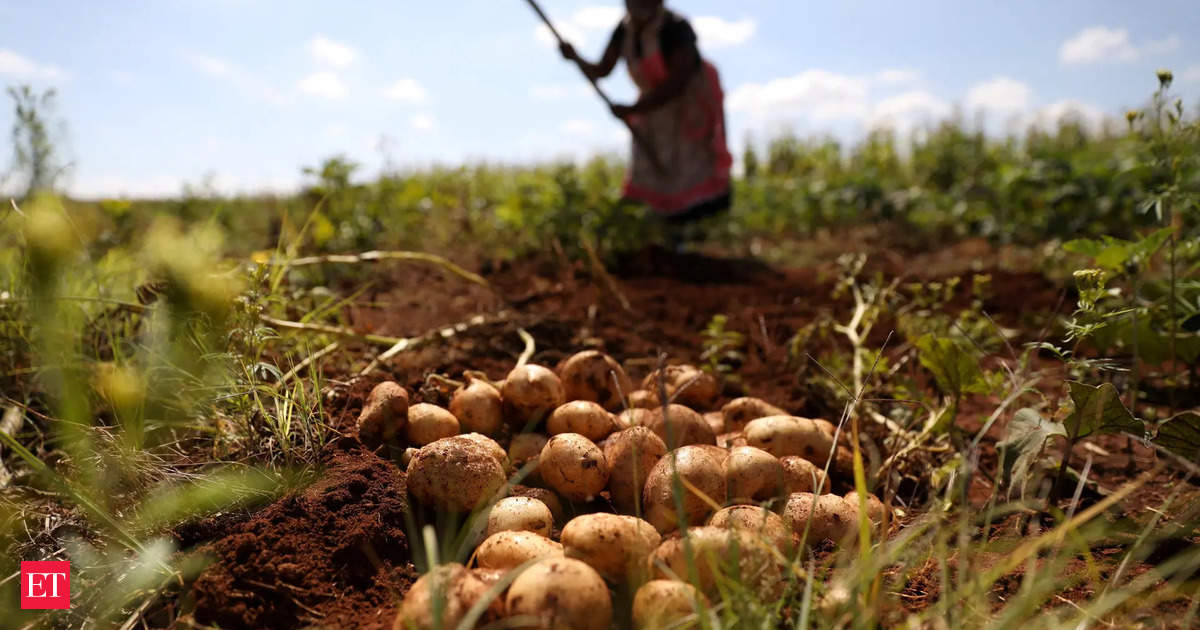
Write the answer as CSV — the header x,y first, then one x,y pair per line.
x,y
1021,447
1180,434
953,366
1099,410
1110,253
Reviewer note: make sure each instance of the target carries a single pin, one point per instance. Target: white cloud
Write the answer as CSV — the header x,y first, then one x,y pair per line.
x,y
904,112
241,79
552,92
13,64
999,95
578,127
598,17
422,122
897,76
336,130
207,64
407,90
586,23
328,52
715,32
1100,43
819,94
1049,116
323,85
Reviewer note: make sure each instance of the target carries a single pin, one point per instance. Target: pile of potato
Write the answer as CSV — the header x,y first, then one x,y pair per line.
x,y
691,490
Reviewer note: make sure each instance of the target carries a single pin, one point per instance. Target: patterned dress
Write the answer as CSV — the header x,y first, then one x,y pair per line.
x,y
686,134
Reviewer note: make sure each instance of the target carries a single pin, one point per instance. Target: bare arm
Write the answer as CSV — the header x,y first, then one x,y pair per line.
x,y
600,69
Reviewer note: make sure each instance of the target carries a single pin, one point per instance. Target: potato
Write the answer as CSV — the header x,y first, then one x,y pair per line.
x,y
573,466
384,414
876,510
685,385
661,604
712,551
752,474
493,447
643,399
633,417
756,520
631,454
697,465
521,514
529,394
429,423
788,435
831,516
450,587
680,426
478,407
826,427
801,475
563,593
715,421
584,417
523,448
454,474
740,411
594,376
545,496
510,549
731,440
615,545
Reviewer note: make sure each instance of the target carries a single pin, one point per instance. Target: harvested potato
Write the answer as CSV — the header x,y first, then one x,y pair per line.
x,y
731,440
801,475
740,411
631,455
697,465
490,577
573,466
826,427
584,417
715,421
788,435
831,517
678,425
712,552
478,407
661,604
752,474
530,393
429,423
524,448
685,385
509,549
454,474
643,399
632,417
521,514
561,593
491,445
755,520
615,545
451,588
594,376
384,414
876,510
545,496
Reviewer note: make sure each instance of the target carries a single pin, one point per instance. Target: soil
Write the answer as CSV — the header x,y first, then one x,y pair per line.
x,y
336,553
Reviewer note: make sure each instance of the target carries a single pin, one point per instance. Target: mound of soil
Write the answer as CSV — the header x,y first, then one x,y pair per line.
x,y
334,554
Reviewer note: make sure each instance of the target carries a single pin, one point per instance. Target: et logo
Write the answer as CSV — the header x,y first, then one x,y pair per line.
x,y
46,585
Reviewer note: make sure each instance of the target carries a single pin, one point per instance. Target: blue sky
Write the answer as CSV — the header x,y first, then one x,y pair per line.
x,y
159,93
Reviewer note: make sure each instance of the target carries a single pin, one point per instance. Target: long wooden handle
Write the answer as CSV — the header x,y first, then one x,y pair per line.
x,y
638,138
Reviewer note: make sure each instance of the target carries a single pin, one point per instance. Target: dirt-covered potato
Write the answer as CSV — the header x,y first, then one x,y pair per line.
x,y
615,545
524,448
713,551
832,517
530,393
573,467
740,411
756,520
697,465
678,425
631,454
429,423
826,427
732,440
450,587
584,417
752,474
478,407
562,593
632,417
454,474
661,604
715,421
594,376
876,510
509,549
788,435
801,475
642,399
520,514
685,385
545,496
384,414
488,443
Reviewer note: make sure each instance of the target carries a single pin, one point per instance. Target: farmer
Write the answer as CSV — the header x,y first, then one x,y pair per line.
x,y
679,113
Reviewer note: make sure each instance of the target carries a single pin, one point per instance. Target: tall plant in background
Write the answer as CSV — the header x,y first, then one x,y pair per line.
x,y
35,154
